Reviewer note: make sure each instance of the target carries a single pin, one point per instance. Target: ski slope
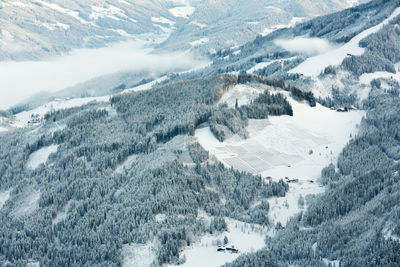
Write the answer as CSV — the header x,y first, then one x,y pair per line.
x,y
313,66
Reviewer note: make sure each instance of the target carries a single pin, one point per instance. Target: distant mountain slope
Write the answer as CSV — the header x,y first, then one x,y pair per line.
x,y
34,28
228,23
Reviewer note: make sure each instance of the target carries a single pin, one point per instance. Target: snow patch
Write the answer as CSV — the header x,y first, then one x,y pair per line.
x,y
137,255
4,196
245,237
40,156
313,66
111,12
126,164
162,20
182,11
198,24
335,263
27,203
242,92
74,14
25,118
199,42
366,78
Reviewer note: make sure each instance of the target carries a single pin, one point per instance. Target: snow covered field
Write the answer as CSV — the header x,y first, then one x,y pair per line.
x,y
137,255
40,156
313,66
182,11
27,202
366,78
242,236
4,196
295,147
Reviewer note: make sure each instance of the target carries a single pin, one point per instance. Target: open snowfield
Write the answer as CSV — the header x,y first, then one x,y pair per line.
x,y
22,119
27,203
313,66
4,196
2,129
40,156
297,147
182,11
366,78
137,255
240,235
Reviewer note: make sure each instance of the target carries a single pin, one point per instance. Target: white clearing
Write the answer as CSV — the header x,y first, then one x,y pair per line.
x,y
24,118
162,20
241,235
199,42
40,156
241,92
136,255
297,147
366,78
2,129
182,11
313,66
4,196
27,203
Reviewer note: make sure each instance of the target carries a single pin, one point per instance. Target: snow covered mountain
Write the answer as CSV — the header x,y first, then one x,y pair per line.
x,y
217,25
33,29
283,151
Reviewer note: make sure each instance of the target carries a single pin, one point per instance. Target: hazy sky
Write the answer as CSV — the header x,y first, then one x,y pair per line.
x,y
20,80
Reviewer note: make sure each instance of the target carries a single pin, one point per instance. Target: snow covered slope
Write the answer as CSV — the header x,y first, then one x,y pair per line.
x,y
229,23
313,66
286,147
32,29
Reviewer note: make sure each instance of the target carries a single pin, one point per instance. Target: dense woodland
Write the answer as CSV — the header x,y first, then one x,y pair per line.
x,y
88,207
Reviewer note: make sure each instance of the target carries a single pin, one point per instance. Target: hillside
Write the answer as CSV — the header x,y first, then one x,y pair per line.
x,y
282,151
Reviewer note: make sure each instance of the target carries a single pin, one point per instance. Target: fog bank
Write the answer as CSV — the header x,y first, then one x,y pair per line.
x,y
20,80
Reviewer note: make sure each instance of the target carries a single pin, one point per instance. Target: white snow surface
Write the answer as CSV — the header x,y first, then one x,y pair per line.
x,y
162,20
366,78
199,42
74,14
22,119
40,156
137,255
242,92
27,203
335,263
2,129
240,235
313,66
182,11
4,196
280,146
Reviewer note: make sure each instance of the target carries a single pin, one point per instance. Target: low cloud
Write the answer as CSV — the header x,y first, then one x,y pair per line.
x,y
306,46
20,80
